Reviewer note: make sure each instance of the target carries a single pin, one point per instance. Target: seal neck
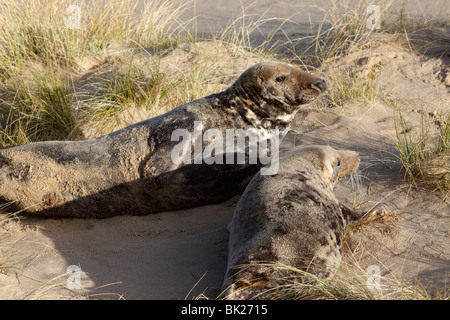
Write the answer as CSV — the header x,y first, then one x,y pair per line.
x,y
256,110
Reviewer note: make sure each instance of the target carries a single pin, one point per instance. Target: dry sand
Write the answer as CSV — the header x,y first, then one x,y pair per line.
x,y
213,15
178,255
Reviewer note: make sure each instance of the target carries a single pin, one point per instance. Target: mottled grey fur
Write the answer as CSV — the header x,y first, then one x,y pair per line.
x,y
291,219
130,172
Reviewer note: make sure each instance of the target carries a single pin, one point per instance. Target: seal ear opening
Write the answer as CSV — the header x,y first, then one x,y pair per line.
x,y
336,169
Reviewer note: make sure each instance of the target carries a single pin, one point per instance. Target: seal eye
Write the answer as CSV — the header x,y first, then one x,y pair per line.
x,y
338,164
280,79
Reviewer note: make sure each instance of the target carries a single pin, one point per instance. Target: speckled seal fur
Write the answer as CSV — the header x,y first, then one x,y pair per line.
x,y
289,219
130,171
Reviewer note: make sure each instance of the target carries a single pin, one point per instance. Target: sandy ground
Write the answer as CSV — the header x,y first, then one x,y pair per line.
x,y
180,255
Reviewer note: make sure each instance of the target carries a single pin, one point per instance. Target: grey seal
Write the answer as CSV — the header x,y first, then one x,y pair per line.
x,y
131,171
289,219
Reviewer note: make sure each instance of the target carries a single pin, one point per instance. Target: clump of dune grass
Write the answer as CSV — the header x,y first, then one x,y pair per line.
x,y
38,108
349,25
243,31
116,93
128,87
64,33
425,152
343,29
348,84
349,283
307,286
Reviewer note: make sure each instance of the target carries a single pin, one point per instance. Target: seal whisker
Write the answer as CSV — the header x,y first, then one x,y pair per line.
x,y
356,180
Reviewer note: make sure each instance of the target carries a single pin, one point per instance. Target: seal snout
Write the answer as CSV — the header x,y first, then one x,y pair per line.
x,y
320,85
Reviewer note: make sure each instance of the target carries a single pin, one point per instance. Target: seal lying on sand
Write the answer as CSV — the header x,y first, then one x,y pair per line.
x,y
132,171
290,219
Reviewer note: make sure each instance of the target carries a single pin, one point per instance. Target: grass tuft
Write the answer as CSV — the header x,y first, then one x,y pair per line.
x,y
349,283
425,153
38,109
58,32
350,85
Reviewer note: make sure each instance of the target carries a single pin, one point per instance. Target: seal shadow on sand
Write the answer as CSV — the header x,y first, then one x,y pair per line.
x,y
158,256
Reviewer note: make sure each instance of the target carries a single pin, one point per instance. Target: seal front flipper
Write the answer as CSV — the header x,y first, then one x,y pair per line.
x,y
379,212
350,215
197,184
155,169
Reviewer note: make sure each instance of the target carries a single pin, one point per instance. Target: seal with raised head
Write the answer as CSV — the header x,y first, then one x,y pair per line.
x,y
133,171
291,219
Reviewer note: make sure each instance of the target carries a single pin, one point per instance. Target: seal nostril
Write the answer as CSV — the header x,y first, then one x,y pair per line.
x,y
320,86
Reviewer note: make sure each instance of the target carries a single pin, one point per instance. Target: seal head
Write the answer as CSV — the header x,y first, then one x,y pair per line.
x,y
275,90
